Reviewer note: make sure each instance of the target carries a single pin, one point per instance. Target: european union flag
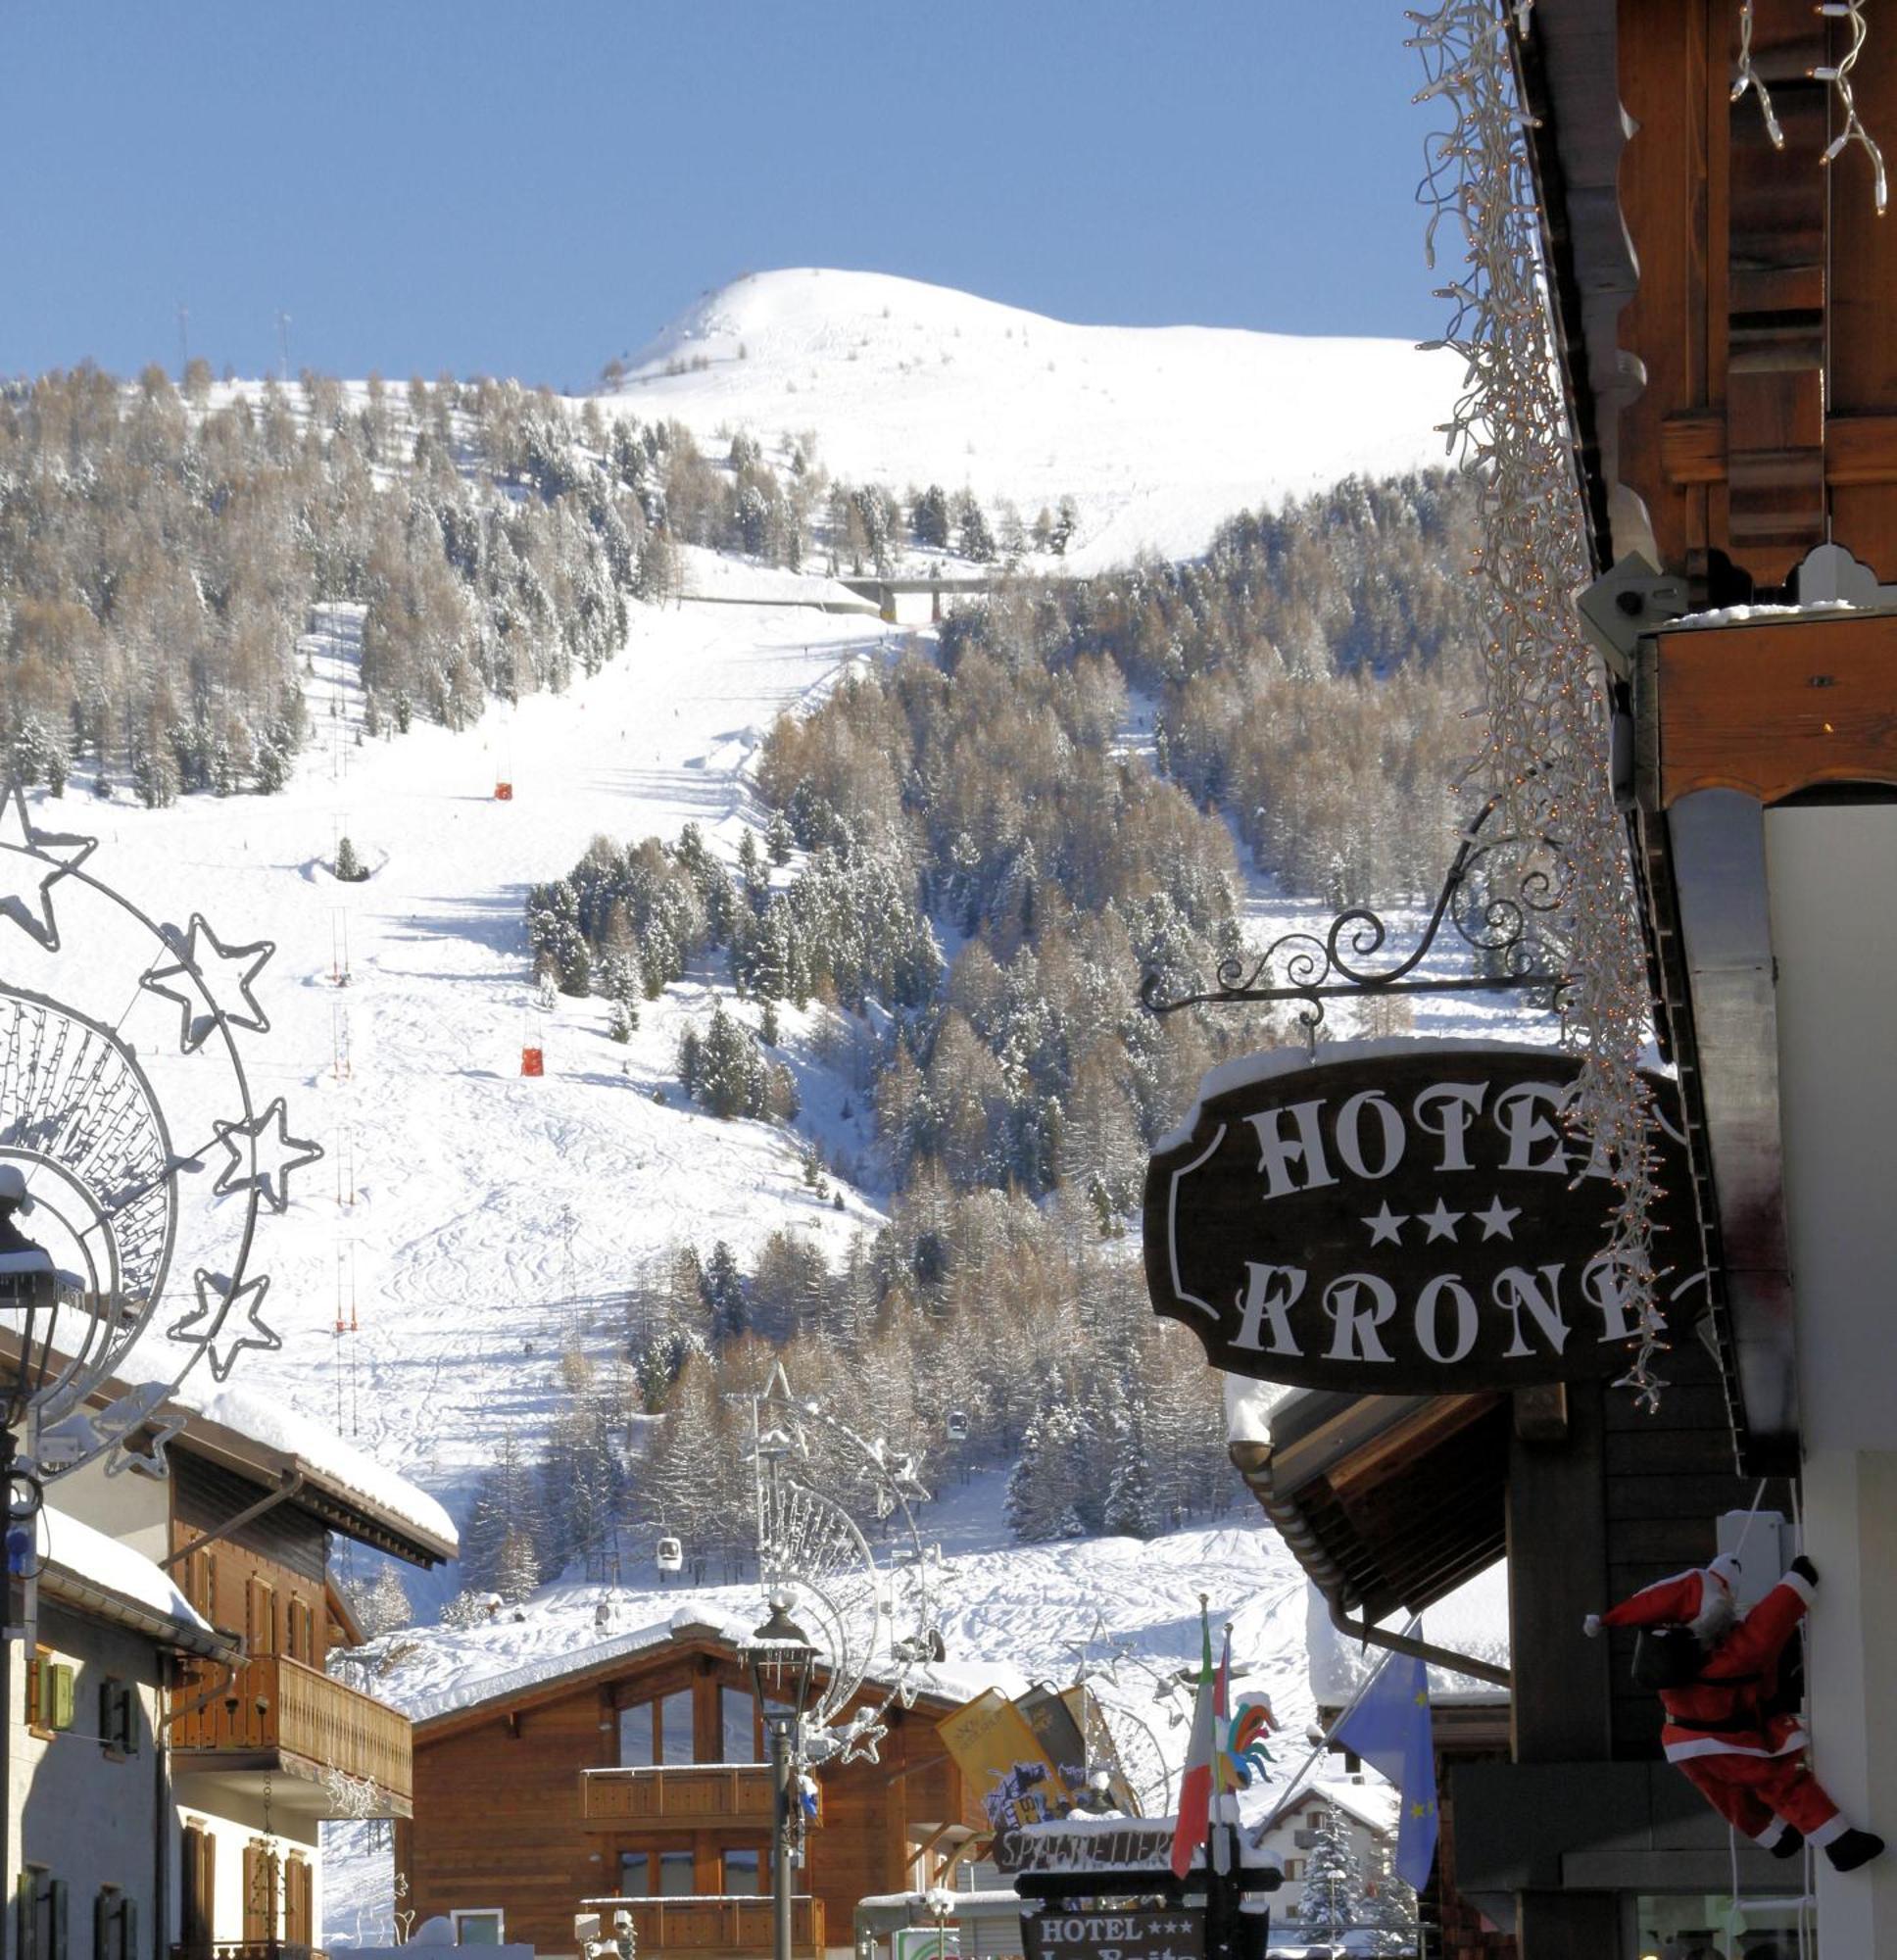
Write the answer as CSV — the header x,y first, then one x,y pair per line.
x,y
1389,1729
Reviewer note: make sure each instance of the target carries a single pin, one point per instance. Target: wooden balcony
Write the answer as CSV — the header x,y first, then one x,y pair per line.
x,y
737,1795
706,1925
279,1716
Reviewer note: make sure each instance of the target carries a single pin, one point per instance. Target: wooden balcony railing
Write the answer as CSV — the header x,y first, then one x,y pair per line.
x,y
278,1705
735,1794
706,1925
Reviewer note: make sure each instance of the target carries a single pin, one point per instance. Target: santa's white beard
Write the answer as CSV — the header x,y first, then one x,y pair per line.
x,y
1715,1617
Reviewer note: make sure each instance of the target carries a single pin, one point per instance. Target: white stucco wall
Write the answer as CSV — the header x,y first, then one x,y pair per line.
x,y
90,1819
133,1509
1833,876
235,1820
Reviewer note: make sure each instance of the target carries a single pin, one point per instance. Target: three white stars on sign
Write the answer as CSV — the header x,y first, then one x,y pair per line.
x,y
1497,1220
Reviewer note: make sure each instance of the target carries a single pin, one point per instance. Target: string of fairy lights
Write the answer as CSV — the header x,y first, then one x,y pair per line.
x,y
1546,754
1836,76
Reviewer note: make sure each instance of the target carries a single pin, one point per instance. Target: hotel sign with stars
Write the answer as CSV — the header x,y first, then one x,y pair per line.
x,y
1409,1218
1061,1935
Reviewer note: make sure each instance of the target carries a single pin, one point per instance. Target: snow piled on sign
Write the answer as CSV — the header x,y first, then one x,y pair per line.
x,y
113,1567
272,1421
1160,434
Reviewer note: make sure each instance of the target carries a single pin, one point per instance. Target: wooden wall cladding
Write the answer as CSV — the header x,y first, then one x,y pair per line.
x,y
1771,706
1766,286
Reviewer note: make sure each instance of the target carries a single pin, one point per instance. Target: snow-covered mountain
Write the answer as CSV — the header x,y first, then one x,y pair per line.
x,y
1157,433
470,1220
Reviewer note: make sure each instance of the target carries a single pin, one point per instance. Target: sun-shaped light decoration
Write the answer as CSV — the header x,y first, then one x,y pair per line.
x,y
822,1493
125,1108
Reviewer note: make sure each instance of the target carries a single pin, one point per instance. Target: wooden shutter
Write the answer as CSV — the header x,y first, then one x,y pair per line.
x,y
194,1907
127,1928
260,1893
25,1896
60,1900
60,1676
298,1898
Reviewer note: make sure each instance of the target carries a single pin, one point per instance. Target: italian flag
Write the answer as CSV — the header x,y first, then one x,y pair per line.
x,y
1201,1760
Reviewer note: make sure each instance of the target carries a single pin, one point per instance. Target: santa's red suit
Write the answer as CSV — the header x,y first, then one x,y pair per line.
x,y
1743,1756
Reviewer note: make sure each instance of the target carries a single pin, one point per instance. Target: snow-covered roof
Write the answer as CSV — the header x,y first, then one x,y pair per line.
x,y
471,1692
326,1457
1472,1620
71,1550
943,1682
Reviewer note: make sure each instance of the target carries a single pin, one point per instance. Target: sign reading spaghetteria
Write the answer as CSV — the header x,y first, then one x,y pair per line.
x,y
1070,1845
1408,1218
1059,1935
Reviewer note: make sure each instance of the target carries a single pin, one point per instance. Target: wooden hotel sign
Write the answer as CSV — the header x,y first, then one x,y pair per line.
x,y
1408,1220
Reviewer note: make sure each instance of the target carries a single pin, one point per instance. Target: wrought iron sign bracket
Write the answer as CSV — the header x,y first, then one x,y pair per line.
x,y
1505,933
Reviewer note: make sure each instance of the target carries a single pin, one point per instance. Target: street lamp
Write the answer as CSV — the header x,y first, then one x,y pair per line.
x,y
781,1657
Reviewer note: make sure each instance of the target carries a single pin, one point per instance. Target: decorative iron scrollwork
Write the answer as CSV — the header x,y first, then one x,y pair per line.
x,y
1505,923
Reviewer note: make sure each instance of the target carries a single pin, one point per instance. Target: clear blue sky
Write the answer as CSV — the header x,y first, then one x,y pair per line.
x,y
527,188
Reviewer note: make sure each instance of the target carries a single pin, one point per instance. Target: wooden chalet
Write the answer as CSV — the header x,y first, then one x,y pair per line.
x,y
263,1751
1723,311
637,1778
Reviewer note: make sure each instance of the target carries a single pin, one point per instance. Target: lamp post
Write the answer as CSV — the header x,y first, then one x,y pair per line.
x,y
781,1657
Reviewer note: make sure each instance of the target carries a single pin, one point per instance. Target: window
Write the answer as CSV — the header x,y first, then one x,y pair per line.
x,y
262,1874
675,1728
634,1880
40,1915
481,1925
114,1925
49,1693
675,1875
119,1716
744,1873
738,1725
636,1735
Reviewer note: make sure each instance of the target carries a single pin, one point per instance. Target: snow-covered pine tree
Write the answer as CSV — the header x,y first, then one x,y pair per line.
x,y
498,1546
1388,1909
380,1603
1332,1900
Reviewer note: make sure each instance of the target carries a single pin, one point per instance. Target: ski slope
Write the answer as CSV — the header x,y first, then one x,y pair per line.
x,y
466,1219
1158,433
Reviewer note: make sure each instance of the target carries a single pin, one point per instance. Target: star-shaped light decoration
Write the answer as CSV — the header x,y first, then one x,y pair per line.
x,y
196,1025
1497,1218
1386,1226
215,1326
1441,1222
25,881
1106,1664
271,1158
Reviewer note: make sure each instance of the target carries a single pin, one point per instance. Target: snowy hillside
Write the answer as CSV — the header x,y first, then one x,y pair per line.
x,y
466,1219
1157,433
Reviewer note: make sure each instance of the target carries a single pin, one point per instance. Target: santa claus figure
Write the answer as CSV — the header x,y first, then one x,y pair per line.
x,y
1725,1727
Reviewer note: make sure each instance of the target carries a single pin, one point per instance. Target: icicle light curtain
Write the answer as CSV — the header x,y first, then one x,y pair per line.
x,y
1545,756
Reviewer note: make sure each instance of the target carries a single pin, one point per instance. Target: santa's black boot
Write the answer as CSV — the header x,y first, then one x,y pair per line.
x,y
1852,1849
1789,1842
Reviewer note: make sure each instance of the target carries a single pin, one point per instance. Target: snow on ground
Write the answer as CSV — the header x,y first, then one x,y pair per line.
x,y
468,1219
1158,433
